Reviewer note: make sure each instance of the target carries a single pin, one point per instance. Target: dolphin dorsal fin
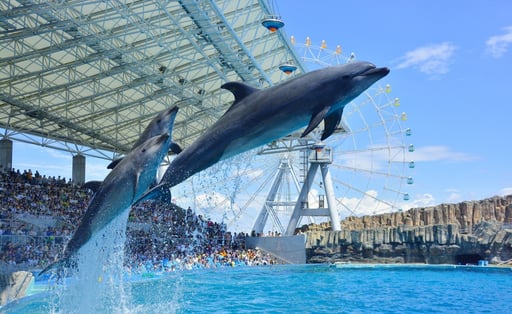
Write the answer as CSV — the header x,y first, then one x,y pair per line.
x,y
315,120
331,122
114,163
94,185
240,90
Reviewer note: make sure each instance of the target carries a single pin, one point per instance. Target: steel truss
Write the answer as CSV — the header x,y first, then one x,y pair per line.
x,y
87,76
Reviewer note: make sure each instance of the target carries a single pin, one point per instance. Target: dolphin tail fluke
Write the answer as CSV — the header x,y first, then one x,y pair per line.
x,y
331,122
52,266
161,193
58,266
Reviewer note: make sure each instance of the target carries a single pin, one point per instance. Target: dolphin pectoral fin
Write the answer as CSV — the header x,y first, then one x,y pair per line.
x,y
331,122
315,121
136,184
161,192
176,148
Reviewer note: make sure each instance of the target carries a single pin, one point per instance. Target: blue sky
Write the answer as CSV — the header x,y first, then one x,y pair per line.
x,y
451,67
451,63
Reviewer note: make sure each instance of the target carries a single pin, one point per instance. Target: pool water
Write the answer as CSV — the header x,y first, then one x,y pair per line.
x,y
350,288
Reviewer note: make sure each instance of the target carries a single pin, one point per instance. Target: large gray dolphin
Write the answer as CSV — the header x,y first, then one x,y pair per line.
x,y
258,117
126,184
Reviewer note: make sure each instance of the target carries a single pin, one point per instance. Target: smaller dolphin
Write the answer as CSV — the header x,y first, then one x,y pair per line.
x,y
258,117
125,185
160,124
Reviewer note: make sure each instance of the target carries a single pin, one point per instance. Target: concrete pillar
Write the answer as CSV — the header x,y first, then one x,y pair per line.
x,y
78,169
6,154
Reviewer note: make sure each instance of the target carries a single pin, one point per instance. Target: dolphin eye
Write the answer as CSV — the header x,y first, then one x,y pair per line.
x,y
143,150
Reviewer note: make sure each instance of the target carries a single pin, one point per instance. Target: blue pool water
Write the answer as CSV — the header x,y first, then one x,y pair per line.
x,y
291,289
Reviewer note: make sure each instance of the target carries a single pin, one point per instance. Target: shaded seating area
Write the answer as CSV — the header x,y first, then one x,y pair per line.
x,y
38,215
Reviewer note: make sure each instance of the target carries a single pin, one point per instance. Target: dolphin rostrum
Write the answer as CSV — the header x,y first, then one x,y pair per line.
x,y
258,117
126,184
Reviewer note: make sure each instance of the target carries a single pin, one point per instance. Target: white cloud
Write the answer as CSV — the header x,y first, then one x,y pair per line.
x,y
436,153
505,191
497,45
96,169
431,60
369,204
56,154
253,173
454,197
420,201
214,202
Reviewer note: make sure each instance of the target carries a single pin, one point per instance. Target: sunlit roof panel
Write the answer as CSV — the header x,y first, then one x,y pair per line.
x,y
94,73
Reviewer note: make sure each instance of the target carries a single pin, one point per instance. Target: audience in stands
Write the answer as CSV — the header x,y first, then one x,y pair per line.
x,y
38,214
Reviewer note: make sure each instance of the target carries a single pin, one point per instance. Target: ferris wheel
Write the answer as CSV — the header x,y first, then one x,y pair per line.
x,y
371,166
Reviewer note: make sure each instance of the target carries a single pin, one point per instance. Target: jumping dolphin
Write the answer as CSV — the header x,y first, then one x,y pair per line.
x,y
258,117
160,124
126,184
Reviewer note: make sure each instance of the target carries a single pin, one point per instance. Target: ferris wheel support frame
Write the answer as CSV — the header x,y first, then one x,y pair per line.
x,y
268,206
320,159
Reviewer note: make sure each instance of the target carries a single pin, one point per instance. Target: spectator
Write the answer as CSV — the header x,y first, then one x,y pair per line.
x,y
38,215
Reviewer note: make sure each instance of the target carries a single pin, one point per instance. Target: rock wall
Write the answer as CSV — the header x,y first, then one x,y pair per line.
x,y
465,214
449,233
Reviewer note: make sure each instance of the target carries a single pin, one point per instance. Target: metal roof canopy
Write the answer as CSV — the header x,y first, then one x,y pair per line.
x,y
88,76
